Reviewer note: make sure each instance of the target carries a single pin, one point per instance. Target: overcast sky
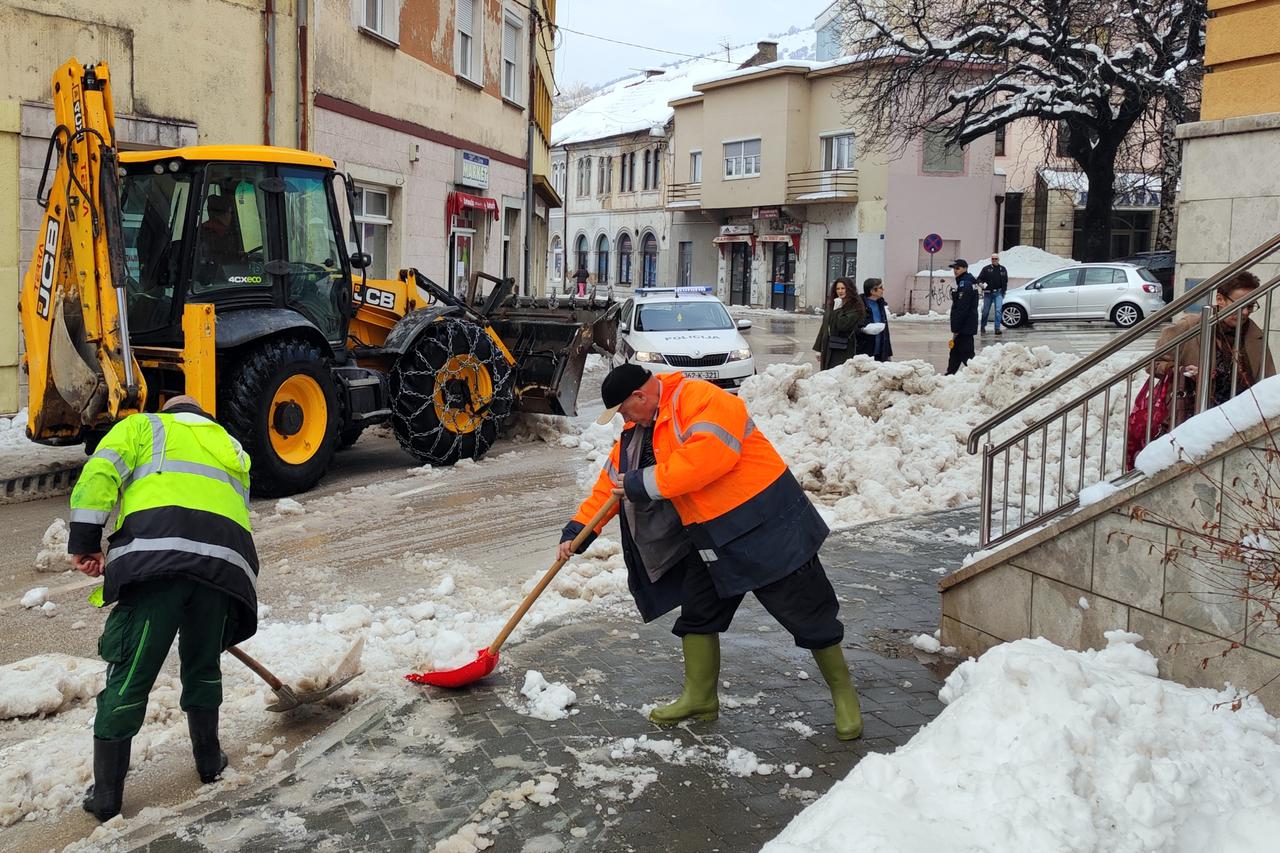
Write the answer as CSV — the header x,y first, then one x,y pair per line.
x,y
685,26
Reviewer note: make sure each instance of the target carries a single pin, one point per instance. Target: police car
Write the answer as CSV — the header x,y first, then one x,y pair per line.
x,y
686,329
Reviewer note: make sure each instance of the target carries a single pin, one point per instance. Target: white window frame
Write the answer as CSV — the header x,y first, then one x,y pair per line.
x,y
512,85
386,26
469,64
695,166
836,158
360,217
741,165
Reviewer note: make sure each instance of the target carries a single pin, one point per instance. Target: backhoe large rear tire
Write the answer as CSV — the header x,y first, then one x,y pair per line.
x,y
282,405
451,392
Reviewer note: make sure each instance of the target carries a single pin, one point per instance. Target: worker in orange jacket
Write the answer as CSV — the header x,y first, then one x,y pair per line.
x,y
747,527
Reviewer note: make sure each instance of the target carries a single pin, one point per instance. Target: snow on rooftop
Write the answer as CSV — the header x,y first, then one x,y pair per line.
x,y
1066,179
640,103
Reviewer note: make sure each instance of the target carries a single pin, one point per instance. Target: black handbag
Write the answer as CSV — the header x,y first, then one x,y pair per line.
x,y
838,342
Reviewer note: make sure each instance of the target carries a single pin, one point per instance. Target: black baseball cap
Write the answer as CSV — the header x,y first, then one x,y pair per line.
x,y
623,381
959,262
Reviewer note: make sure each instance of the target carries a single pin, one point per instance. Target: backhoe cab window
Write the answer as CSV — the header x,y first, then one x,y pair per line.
x,y
153,211
230,240
316,285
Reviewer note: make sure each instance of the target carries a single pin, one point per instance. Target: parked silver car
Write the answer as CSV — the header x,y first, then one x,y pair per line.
x,y
1121,293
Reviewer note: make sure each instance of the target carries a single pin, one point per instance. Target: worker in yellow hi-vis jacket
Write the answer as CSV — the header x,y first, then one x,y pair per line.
x,y
181,561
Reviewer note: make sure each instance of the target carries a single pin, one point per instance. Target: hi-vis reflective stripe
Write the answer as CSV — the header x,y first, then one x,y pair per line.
x,y
713,429
609,466
108,455
90,516
186,546
649,477
177,466
160,465
682,434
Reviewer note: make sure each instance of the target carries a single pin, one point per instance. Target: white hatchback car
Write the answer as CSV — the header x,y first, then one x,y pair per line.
x,y
686,329
1121,293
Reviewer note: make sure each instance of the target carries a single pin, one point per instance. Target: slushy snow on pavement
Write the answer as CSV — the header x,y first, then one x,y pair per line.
x,y
1044,749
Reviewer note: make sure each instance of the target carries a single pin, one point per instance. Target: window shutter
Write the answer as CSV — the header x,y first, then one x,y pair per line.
x,y
509,45
465,14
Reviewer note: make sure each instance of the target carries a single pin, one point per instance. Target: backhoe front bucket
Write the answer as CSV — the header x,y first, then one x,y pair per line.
x,y
550,341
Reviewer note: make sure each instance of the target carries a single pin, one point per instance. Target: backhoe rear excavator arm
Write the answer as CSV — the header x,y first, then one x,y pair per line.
x,y
81,370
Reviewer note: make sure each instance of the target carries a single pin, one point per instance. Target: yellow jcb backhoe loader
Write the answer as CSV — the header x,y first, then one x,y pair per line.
x,y
222,272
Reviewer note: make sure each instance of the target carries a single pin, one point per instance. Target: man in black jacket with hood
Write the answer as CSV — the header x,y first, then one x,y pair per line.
x,y
964,315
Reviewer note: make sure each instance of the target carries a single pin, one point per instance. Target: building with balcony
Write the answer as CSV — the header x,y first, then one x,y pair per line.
x,y
770,186
611,163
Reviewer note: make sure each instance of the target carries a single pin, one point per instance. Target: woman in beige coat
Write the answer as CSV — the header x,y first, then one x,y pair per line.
x,y
1247,363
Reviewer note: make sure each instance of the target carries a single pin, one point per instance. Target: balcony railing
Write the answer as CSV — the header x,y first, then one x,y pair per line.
x,y
684,195
823,185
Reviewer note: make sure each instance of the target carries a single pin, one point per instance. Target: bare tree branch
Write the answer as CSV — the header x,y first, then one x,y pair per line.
x,y
1099,70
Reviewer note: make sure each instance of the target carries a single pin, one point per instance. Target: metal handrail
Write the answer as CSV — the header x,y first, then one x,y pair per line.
x,y
1124,339
1164,361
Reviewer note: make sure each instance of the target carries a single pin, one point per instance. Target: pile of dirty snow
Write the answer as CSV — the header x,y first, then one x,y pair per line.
x,y
19,455
46,684
1046,749
52,556
869,440
548,700
1023,263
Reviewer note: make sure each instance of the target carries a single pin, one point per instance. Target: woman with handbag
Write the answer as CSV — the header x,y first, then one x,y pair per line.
x,y
843,316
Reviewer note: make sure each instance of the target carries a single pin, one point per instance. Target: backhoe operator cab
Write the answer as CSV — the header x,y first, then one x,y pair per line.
x,y
263,232
256,233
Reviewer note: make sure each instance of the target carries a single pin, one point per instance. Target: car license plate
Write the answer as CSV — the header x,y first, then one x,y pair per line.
x,y
701,374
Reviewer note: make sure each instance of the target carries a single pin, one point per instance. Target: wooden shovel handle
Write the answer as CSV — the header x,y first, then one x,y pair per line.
x,y
551,575
263,673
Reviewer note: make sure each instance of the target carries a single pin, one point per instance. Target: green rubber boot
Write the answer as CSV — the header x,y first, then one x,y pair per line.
x,y
836,673
701,671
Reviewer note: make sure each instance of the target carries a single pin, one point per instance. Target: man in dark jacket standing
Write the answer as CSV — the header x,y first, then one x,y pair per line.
x,y
995,281
964,315
692,448
181,562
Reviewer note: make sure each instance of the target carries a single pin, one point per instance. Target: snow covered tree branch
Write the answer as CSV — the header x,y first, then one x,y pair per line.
x,y
969,67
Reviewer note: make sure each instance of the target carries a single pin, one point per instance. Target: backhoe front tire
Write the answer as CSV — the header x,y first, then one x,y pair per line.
x,y
282,405
451,393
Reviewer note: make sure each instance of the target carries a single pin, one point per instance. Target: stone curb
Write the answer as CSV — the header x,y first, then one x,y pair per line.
x,y
34,487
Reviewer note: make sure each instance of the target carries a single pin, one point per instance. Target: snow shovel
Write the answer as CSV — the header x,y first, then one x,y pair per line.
x,y
487,659
286,697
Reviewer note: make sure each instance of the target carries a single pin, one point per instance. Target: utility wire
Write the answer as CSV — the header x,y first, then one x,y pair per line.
x,y
643,46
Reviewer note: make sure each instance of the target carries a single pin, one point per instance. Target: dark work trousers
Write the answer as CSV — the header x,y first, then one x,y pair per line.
x,y
136,641
803,602
960,353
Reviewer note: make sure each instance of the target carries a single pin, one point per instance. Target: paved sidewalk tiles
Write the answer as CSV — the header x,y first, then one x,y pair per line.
x,y
391,785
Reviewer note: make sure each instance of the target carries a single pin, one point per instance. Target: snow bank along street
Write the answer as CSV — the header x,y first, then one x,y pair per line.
x,y
1051,750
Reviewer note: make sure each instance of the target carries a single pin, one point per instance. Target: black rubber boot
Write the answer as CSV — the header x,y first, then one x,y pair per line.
x,y
202,723
110,764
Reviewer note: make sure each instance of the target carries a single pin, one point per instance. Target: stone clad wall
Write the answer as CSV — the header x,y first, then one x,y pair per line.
x,y
1114,559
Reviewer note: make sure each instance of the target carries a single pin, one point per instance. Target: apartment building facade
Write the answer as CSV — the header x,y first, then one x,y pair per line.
x,y
771,186
426,103
612,223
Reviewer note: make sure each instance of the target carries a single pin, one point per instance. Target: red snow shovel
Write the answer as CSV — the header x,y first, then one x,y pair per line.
x,y
487,659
